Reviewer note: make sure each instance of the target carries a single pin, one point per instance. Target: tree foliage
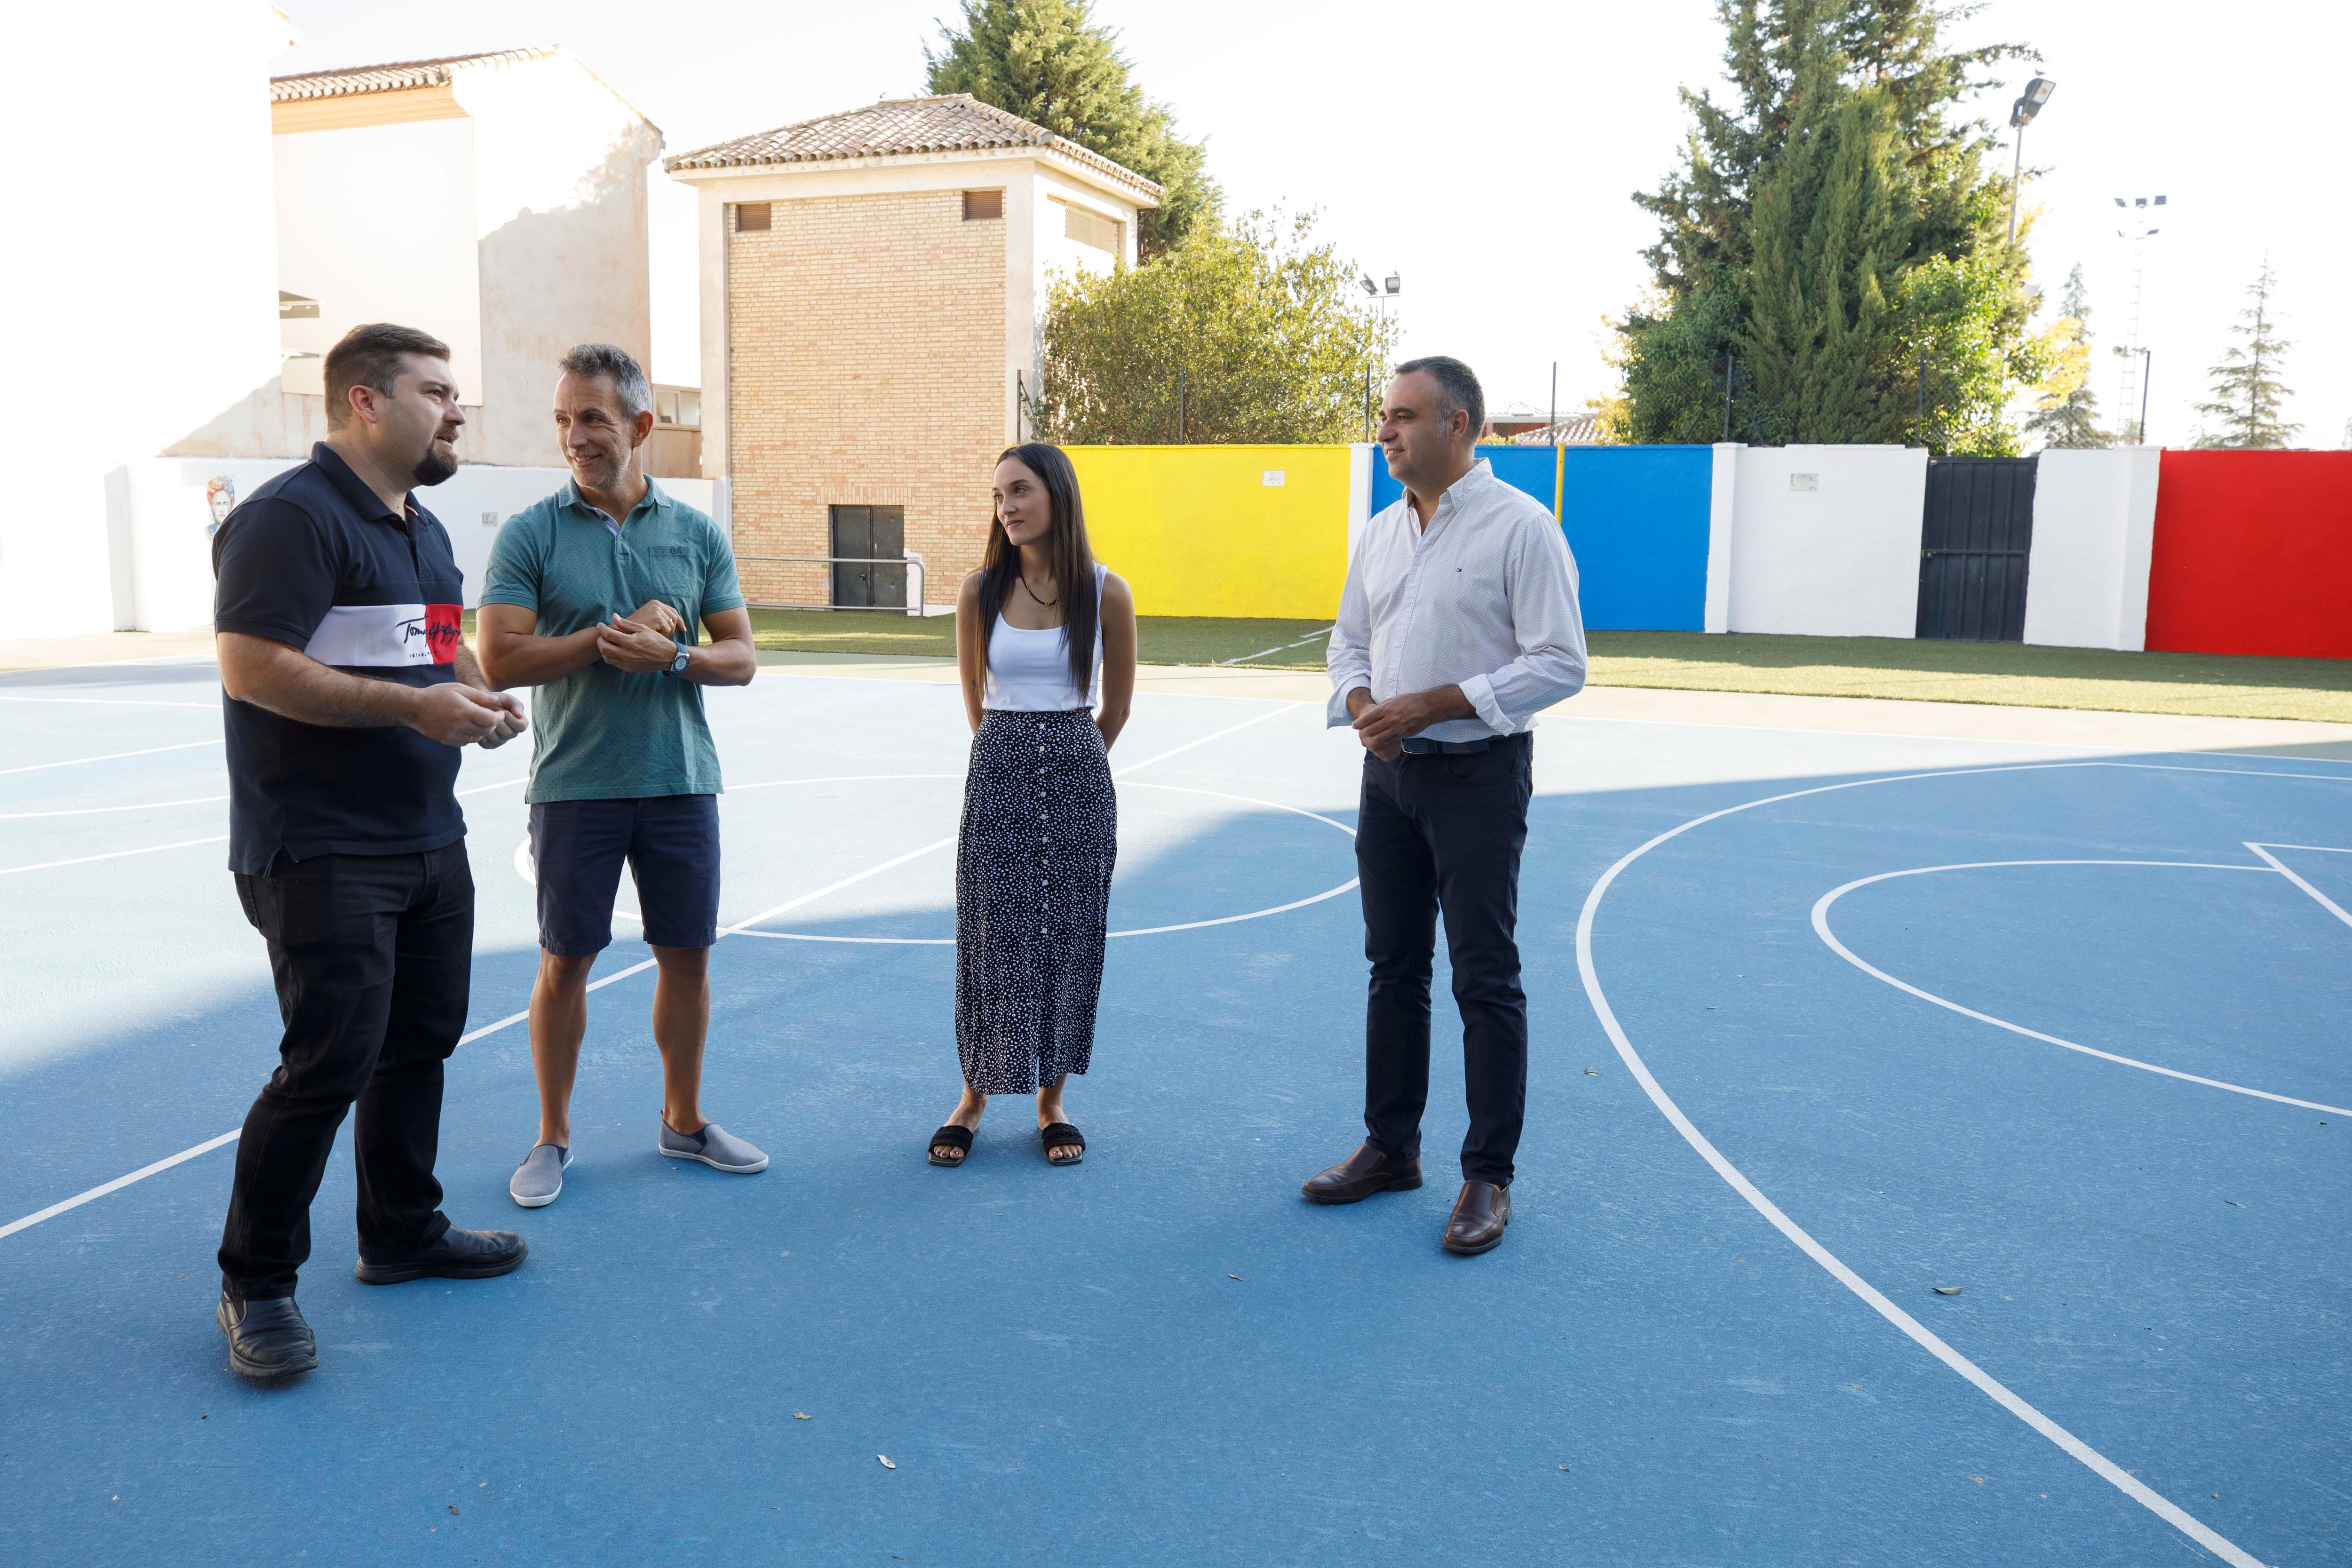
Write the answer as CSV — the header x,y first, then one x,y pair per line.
x,y
1824,228
2068,416
1249,332
1050,63
2249,402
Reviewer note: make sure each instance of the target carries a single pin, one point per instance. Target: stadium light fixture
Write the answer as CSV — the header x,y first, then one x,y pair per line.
x,y
2021,114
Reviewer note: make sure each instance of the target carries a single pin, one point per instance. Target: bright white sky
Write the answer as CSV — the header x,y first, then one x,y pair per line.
x,y
1485,156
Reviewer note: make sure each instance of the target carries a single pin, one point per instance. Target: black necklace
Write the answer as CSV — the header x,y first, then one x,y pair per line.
x,y
1042,604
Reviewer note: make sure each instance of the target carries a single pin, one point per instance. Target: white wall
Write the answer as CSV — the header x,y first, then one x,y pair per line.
x,y
1722,500
364,257
147,306
2093,528
1838,559
160,516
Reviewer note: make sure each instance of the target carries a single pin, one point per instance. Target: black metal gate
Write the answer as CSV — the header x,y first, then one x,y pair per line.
x,y
1974,544
861,535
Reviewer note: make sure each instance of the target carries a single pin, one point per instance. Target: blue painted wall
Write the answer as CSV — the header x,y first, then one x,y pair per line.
x,y
1636,522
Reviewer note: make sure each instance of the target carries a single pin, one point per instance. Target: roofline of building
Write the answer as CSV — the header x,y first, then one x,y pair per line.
x,y
444,68
1087,170
1045,141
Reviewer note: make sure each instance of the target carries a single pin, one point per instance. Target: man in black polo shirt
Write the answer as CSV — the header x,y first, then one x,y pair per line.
x,y
347,690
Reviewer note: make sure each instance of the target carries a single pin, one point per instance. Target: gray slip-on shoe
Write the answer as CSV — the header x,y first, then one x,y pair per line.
x,y
540,1178
715,1147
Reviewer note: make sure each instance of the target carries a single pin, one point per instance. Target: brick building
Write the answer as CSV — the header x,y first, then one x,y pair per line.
x,y
872,288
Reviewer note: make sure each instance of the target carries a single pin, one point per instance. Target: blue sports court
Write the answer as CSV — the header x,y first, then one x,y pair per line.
x,y
1937,1150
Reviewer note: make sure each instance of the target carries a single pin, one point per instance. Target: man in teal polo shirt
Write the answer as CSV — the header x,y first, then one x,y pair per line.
x,y
594,596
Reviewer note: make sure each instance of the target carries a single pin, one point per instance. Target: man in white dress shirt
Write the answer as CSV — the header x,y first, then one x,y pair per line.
x,y
1458,624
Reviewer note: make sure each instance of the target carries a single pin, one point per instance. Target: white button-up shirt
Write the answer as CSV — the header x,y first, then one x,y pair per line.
x,y
1484,598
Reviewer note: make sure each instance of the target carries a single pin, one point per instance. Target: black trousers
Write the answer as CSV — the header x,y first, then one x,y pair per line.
x,y
1445,833
372,956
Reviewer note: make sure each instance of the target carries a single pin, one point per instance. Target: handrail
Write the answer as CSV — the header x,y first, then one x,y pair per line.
x,y
914,606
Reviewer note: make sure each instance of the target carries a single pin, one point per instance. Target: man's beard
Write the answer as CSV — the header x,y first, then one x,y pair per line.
x,y
605,474
433,468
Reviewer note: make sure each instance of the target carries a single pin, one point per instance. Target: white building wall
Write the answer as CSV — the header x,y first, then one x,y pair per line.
x,y
143,312
376,222
1827,541
2093,531
557,236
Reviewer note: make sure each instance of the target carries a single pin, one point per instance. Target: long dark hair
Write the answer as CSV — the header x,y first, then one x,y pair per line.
x,y
1065,549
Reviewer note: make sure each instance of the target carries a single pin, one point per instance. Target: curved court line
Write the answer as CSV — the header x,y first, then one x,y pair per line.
x,y
1822,929
1992,1387
110,757
113,855
164,805
116,702
1139,930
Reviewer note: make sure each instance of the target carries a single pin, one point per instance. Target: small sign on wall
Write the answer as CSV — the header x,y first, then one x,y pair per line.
x,y
490,520
1805,481
1271,479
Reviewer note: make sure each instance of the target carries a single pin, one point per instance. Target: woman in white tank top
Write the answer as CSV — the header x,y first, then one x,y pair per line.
x,y
1042,636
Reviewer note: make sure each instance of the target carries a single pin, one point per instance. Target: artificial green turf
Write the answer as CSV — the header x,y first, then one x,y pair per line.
x,y
2219,685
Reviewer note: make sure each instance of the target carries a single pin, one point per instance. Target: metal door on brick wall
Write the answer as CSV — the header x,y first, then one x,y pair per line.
x,y
861,535
1974,544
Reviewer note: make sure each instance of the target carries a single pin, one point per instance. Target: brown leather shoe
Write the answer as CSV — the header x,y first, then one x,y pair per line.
x,y
1480,1217
1360,1176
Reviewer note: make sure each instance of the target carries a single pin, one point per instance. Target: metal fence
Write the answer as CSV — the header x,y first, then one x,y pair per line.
x,y
845,582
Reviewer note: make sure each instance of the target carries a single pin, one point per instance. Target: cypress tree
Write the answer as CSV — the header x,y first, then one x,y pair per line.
x,y
1049,62
2068,418
2249,401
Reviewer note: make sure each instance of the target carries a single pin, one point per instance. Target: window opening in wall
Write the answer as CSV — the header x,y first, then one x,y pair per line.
x,y
1090,228
863,535
751,216
678,406
296,307
979,204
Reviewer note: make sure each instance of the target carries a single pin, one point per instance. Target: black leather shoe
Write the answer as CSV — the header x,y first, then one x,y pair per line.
x,y
1360,1176
457,1255
1480,1216
266,1338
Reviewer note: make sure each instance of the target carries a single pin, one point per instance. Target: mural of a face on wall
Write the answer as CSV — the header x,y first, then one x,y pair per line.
x,y
220,494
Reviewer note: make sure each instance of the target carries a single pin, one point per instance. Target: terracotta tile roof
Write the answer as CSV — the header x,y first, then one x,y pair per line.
x,y
1576,430
957,123
396,77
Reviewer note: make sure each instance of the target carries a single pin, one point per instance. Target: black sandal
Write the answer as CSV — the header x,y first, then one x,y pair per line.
x,y
950,1137
1058,1135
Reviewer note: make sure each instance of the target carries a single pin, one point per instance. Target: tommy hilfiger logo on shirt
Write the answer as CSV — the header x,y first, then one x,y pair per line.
x,y
377,636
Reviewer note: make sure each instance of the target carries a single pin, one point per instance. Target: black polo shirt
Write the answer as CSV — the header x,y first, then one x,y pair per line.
x,y
315,560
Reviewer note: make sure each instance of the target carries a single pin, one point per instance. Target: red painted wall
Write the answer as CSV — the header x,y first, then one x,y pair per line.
x,y
2253,555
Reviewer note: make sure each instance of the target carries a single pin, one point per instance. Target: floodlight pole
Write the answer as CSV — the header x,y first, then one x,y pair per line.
x,y
1551,425
2021,114
2146,362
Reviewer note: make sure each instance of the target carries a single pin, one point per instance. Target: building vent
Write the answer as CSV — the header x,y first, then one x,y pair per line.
x,y
1090,228
978,204
751,217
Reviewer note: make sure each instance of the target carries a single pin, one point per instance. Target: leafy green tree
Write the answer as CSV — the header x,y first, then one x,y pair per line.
x,y
1788,229
1050,63
1249,332
2068,416
2249,401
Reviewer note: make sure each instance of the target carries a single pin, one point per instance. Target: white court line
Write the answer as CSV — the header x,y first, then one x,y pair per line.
x,y
742,928
2330,905
1269,713
141,1175
1822,929
1279,647
113,855
2097,1463
116,702
103,810
1554,712
110,757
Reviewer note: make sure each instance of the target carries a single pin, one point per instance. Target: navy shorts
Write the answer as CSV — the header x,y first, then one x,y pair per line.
x,y
671,845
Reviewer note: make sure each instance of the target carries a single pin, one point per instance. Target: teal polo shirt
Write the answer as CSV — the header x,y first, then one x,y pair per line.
x,y
601,733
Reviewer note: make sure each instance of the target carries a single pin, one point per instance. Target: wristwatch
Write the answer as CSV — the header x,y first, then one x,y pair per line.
x,y
678,665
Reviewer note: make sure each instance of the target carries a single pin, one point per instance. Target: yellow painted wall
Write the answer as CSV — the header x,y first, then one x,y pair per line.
x,y
1197,531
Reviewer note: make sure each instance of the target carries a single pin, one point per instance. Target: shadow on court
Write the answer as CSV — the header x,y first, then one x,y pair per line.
x,y
1165,1356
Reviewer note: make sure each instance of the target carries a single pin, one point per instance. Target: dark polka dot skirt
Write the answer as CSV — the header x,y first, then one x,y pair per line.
x,y
1032,899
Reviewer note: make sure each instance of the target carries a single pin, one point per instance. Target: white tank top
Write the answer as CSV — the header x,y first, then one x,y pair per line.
x,y
1029,672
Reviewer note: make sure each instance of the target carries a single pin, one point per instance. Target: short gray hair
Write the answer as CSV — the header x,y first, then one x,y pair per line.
x,y
1457,387
628,377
